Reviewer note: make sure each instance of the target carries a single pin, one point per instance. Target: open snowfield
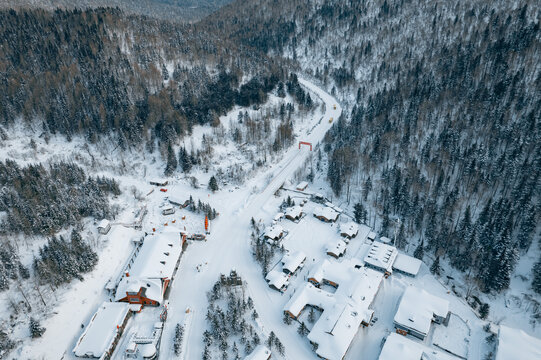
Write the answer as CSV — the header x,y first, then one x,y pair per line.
x,y
228,247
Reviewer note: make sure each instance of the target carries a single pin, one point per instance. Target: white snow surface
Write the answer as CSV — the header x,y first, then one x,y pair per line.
x,y
261,352
228,246
99,334
517,344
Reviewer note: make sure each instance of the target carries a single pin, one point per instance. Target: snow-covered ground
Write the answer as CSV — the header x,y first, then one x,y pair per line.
x,y
227,247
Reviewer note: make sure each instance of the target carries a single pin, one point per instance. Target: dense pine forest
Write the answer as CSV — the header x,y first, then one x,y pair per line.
x,y
94,72
444,122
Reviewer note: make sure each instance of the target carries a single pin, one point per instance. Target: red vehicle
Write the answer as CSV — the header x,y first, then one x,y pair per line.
x,y
163,190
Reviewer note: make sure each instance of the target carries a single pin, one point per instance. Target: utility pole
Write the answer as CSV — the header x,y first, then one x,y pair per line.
x,y
396,230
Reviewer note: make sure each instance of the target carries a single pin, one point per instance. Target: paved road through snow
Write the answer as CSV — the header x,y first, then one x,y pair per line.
x,y
228,247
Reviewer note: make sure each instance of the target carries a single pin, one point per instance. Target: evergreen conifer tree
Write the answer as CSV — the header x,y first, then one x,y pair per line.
x,y
213,184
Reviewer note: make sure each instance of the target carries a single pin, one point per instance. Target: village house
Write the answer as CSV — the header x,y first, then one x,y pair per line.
x,y
349,230
326,214
336,249
417,310
273,233
293,261
151,270
277,280
293,213
103,332
407,265
372,236
104,226
302,186
381,257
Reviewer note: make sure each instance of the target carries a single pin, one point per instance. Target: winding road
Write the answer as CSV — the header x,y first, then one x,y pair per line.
x,y
228,247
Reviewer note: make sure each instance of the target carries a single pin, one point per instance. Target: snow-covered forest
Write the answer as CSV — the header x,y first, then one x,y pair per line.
x,y
443,126
437,147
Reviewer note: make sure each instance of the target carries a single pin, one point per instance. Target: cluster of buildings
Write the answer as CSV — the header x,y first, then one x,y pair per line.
x,y
144,282
278,277
340,291
343,292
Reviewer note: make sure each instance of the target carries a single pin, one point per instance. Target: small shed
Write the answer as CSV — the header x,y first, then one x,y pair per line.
x,y
168,210
104,226
302,186
159,182
372,236
176,201
385,240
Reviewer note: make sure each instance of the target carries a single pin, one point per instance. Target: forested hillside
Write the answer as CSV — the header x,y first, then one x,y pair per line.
x,y
174,10
444,123
100,72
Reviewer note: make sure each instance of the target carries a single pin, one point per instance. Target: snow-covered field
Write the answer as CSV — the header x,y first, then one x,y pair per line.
x,y
227,247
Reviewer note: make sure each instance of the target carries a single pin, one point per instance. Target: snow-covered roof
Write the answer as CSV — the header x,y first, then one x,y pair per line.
x,y
294,212
157,257
338,324
175,200
326,212
385,240
349,229
302,185
335,330
278,216
100,333
337,248
103,224
517,344
364,291
400,347
276,278
292,261
308,295
407,264
152,287
158,181
372,235
417,309
274,231
381,256
343,311
260,352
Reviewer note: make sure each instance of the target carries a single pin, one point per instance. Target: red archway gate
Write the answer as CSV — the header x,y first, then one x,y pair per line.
x,y
305,143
